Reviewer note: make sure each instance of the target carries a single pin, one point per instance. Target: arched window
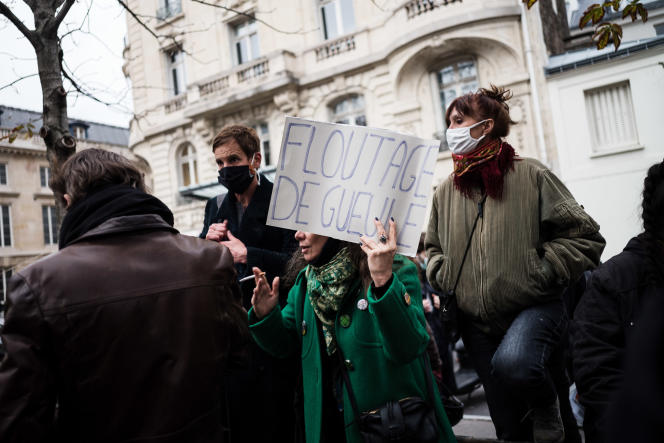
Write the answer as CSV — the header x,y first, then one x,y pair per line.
x,y
187,167
349,110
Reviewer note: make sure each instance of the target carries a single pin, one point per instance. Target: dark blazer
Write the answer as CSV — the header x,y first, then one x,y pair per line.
x,y
128,329
268,247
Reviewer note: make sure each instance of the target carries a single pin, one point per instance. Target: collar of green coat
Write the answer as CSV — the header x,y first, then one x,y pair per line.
x,y
327,286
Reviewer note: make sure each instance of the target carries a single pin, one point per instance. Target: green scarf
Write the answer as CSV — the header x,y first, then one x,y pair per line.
x,y
327,285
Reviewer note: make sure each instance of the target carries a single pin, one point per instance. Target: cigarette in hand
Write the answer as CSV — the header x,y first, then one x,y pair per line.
x,y
249,277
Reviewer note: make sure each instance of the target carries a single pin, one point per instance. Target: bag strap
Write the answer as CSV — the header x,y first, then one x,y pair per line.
x,y
480,213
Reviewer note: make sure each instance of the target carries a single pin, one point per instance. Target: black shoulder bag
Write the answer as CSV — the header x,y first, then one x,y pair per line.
x,y
449,308
410,419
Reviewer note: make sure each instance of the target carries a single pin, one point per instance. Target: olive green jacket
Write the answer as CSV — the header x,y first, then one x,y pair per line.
x,y
527,247
381,345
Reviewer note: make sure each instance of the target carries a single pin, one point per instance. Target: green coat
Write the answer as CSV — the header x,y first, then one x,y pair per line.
x,y
382,343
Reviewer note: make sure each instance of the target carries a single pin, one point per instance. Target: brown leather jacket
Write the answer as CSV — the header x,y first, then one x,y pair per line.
x,y
128,330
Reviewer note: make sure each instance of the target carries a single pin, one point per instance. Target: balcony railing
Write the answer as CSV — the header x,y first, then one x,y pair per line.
x,y
418,7
344,44
170,9
176,103
216,85
254,71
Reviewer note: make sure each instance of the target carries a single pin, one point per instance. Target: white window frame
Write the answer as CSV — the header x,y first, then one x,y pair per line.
x,y
3,243
244,31
186,154
46,175
263,131
605,115
6,168
6,275
342,27
51,216
175,64
353,114
80,132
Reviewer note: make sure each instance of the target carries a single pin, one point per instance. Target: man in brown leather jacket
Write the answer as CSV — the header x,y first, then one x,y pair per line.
x,y
124,334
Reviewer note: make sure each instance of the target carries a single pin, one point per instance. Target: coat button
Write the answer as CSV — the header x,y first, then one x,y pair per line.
x,y
304,327
362,304
345,320
406,298
349,365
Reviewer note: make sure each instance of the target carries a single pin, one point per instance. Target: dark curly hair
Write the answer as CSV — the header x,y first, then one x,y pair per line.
x,y
483,104
653,217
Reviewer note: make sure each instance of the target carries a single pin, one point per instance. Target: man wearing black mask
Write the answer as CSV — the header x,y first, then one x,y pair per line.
x,y
237,220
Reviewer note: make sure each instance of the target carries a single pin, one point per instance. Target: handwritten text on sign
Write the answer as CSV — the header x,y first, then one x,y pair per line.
x,y
334,179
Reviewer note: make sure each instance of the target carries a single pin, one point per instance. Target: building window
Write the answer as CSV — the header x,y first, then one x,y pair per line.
x,y
245,41
611,117
338,17
6,275
187,166
80,133
3,173
264,136
451,81
5,226
349,110
44,176
168,9
49,220
175,62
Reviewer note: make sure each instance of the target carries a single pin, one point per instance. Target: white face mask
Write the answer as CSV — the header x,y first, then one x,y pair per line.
x,y
460,141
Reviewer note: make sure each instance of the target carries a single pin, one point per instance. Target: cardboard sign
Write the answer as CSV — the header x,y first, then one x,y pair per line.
x,y
333,179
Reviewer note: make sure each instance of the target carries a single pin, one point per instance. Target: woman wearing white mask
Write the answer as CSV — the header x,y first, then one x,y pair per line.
x,y
524,239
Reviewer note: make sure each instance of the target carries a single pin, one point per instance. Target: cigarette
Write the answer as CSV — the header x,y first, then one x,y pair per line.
x,y
249,277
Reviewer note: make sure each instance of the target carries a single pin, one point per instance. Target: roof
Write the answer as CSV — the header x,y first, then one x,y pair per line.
x,y
97,132
590,56
612,15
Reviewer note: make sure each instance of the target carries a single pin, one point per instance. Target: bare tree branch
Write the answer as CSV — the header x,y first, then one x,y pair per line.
x,y
30,35
17,80
253,17
62,13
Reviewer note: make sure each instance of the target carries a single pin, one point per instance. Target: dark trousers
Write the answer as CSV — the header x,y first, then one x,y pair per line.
x,y
516,368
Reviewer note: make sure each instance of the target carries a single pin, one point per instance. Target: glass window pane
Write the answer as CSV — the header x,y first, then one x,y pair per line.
x,y
47,238
3,174
6,226
467,70
186,179
468,87
446,97
54,224
331,27
347,16
361,120
446,75
266,152
255,52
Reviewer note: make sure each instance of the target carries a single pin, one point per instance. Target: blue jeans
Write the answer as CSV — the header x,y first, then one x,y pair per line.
x,y
517,368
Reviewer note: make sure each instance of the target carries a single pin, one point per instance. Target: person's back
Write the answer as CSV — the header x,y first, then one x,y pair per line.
x,y
128,329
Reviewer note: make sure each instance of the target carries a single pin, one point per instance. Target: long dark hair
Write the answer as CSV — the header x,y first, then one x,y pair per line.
x,y
653,218
297,263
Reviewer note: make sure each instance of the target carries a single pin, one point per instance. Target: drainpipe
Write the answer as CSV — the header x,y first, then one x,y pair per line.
x,y
533,87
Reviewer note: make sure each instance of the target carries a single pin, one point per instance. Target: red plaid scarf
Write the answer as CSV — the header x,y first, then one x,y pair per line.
x,y
483,169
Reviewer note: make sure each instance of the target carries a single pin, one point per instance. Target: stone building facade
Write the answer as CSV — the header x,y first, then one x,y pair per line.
x,y
391,64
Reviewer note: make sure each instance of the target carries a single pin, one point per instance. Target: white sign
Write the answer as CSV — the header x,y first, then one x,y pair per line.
x,y
334,179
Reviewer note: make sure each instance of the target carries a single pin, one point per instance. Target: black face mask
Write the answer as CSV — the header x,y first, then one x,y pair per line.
x,y
236,178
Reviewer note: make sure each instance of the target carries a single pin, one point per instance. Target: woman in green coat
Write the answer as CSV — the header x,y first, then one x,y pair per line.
x,y
356,306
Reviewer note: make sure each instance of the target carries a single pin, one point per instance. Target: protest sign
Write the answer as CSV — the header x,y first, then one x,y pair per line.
x,y
333,179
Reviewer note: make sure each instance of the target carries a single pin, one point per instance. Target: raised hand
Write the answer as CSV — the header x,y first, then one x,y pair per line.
x,y
264,298
380,254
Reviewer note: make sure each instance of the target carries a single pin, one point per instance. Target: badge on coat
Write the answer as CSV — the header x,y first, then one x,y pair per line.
x,y
362,304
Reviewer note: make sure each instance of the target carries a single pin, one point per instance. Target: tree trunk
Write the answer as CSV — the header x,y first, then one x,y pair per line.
x,y
554,25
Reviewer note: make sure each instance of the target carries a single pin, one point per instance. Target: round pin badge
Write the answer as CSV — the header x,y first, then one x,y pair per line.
x,y
362,304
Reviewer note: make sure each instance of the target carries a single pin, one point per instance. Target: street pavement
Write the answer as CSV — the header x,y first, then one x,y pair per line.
x,y
476,422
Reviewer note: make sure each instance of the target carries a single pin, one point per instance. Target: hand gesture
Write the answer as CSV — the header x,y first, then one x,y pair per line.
x,y
217,231
428,308
380,255
264,298
237,248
